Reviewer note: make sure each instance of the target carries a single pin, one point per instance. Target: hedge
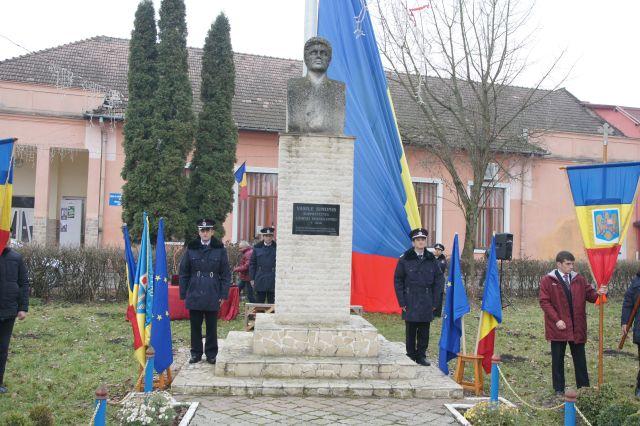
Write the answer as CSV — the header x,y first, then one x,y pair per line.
x,y
97,274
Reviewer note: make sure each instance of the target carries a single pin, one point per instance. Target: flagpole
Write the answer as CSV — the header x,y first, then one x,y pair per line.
x,y
478,336
310,24
605,143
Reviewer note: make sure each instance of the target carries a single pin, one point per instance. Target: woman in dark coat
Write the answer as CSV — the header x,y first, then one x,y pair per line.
x,y
630,297
418,282
205,278
262,267
14,301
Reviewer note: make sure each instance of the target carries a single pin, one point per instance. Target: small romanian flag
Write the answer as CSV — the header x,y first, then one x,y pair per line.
x,y
130,265
604,195
241,178
491,312
6,189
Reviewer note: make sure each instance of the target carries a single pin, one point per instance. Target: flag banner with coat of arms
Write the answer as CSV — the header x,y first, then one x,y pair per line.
x,y
604,196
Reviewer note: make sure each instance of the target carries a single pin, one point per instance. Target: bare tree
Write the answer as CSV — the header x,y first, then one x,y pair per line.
x,y
458,61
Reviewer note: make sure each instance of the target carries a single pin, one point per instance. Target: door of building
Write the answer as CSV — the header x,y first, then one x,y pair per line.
x,y
71,211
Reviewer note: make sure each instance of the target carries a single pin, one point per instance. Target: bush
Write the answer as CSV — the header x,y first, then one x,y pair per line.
x,y
41,415
487,414
632,420
616,414
592,401
15,418
154,408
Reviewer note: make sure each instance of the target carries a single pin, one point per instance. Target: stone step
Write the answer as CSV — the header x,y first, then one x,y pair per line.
x,y
201,378
237,359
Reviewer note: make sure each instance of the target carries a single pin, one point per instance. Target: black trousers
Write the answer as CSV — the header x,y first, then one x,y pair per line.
x,y
637,377
248,291
211,338
579,364
417,339
6,327
270,296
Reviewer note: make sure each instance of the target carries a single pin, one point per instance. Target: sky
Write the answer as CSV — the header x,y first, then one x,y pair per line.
x,y
599,37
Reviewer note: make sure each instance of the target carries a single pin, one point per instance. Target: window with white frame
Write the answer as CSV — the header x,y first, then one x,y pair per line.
x,y
260,208
428,206
493,215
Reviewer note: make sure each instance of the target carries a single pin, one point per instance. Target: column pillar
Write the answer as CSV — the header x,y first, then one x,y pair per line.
x,y
91,226
41,202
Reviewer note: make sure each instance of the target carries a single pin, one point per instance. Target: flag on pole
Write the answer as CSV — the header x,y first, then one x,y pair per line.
x,y
161,326
241,178
604,196
384,203
6,189
455,307
144,272
130,265
491,311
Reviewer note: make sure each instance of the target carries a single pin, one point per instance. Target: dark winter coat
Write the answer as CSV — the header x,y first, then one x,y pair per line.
x,y
205,276
262,267
630,297
243,267
442,263
14,284
418,284
555,305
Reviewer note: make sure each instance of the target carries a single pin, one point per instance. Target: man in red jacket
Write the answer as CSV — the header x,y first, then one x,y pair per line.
x,y
563,297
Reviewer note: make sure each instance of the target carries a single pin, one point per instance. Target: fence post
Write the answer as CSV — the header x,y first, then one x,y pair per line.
x,y
148,371
570,408
100,418
495,378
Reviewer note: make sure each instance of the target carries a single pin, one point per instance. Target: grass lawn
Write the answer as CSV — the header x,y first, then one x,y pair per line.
x,y
62,352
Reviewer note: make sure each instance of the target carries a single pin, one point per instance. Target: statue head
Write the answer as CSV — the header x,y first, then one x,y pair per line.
x,y
317,54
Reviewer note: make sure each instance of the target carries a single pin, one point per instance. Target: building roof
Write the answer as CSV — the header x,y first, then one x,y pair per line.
x,y
100,64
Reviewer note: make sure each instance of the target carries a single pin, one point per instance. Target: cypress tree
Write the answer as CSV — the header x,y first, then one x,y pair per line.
x,y
173,127
211,179
142,83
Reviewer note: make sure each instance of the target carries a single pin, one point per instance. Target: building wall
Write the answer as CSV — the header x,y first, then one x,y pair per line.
x,y
540,210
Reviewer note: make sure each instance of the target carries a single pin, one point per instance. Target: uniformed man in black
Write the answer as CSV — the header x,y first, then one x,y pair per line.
x,y
262,268
438,251
205,278
418,282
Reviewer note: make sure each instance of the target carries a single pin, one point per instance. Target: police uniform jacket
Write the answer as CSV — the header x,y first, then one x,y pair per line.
x,y
418,284
262,267
630,297
14,284
205,275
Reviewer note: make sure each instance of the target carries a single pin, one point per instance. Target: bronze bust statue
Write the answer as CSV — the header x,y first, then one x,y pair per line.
x,y
315,103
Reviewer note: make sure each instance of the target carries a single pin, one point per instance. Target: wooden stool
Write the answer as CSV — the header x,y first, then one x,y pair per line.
x,y
478,377
250,311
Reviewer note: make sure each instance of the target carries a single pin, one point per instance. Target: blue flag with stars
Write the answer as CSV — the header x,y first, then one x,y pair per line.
x,y
161,329
455,307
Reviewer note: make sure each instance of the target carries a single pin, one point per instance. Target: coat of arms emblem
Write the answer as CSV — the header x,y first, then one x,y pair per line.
x,y
606,226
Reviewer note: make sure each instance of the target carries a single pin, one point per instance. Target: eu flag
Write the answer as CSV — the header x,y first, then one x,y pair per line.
x,y
161,329
455,307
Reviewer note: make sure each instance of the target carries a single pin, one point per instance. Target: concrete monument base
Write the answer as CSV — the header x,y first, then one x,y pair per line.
x,y
355,338
239,371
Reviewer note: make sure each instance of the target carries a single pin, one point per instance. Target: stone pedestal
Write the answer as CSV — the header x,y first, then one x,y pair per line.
x,y
313,272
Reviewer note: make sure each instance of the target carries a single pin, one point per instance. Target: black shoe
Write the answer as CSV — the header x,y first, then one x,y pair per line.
x,y
423,361
411,357
194,359
211,360
3,389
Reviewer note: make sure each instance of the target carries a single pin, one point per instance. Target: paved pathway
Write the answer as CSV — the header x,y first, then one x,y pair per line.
x,y
318,410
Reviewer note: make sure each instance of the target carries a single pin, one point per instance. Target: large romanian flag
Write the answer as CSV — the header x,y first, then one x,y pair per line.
x,y
130,265
491,312
604,196
6,189
384,203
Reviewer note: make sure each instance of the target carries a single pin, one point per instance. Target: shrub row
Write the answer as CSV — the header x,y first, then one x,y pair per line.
x,y
93,274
